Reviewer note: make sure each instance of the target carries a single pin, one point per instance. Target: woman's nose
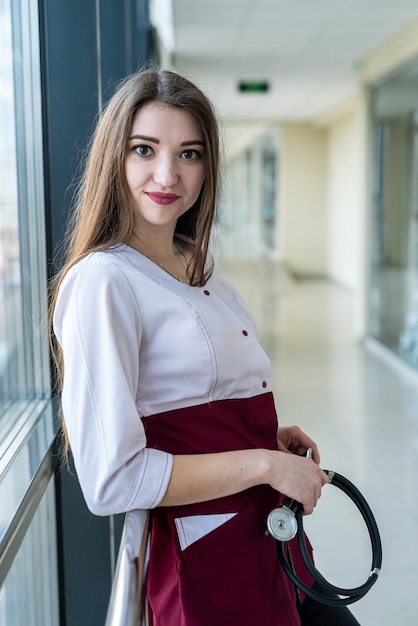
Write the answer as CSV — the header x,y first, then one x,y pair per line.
x,y
165,173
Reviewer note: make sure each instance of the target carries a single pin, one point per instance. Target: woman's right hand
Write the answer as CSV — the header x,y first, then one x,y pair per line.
x,y
297,477
203,477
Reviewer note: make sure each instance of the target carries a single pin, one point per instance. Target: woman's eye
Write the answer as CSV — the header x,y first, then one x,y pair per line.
x,y
144,151
191,155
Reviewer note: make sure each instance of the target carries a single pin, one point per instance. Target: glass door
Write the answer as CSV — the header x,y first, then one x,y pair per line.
x,y
393,296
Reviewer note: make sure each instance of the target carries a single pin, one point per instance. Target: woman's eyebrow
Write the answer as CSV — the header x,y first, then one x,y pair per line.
x,y
145,138
191,142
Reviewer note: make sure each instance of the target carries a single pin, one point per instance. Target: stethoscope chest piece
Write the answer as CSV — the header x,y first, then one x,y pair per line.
x,y
282,524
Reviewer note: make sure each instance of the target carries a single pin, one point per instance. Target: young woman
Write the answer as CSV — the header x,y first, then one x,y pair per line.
x,y
166,391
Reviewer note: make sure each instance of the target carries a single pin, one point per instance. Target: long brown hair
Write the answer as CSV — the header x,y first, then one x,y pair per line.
x,y
102,216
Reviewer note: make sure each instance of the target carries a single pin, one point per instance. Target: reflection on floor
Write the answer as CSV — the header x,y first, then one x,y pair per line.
x,y
364,416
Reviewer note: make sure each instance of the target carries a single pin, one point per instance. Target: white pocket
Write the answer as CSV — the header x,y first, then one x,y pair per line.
x,y
194,527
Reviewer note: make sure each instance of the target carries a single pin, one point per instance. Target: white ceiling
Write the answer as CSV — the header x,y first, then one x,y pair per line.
x,y
309,50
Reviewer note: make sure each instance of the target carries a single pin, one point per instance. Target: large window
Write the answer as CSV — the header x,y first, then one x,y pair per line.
x,y
28,558
249,208
24,372
393,306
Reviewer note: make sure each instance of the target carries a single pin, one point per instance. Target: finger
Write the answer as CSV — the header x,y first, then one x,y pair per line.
x,y
308,508
282,447
325,478
315,453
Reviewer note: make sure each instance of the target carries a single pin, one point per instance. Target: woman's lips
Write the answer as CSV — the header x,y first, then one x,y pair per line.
x,y
162,198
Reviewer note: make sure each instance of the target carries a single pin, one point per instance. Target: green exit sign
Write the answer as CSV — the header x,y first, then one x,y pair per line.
x,y
253,86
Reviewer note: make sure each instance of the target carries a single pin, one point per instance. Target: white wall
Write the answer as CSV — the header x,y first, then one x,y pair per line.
x,y
343,198
395,52
303,214
324,199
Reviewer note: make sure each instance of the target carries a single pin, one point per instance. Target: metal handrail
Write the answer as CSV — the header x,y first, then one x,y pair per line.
x,y
127,599
11,538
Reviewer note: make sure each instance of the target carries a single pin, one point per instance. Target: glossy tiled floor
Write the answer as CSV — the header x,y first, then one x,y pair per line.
x,y
363,414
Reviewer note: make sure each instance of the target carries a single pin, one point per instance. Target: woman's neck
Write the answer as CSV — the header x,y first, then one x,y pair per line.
x,y
160,247
169,254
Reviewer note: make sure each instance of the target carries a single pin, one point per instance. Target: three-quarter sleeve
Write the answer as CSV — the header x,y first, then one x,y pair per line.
x,y
98,325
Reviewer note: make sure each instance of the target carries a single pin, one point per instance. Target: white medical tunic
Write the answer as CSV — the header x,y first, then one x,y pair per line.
x,y
137,342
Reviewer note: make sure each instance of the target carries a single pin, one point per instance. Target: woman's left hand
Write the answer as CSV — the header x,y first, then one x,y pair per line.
x,y
293,440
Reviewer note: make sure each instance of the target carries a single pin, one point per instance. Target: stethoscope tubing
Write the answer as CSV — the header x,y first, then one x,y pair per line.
x,y
349,595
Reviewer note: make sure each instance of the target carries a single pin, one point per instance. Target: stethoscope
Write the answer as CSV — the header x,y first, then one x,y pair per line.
x,y
285,523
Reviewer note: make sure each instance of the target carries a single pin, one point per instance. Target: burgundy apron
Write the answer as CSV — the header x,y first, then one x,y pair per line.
x,y
230,575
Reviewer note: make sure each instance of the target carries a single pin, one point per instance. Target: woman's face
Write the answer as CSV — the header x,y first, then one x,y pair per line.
x,y
164,164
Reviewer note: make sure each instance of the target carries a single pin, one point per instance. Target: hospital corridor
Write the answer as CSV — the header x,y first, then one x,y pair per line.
x,y
363,414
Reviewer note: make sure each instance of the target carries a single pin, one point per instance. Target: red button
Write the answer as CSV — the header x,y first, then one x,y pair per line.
x,y
245,333
206,292
264,384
